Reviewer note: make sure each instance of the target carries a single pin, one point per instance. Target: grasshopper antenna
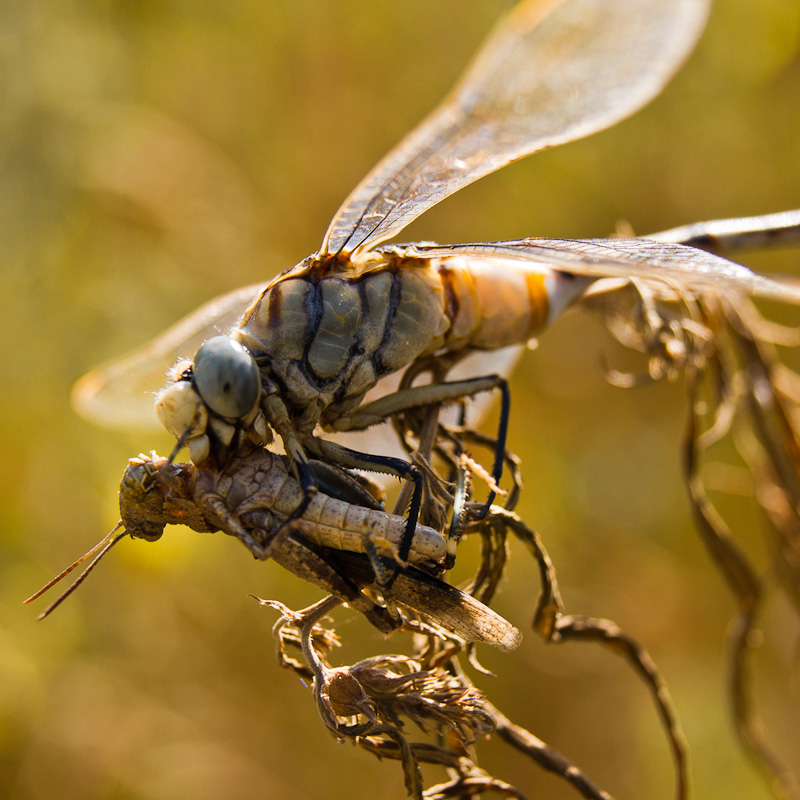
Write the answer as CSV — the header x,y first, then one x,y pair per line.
x,y
106,543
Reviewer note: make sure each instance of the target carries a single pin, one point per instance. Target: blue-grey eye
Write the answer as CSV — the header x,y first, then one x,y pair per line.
x,y
226,377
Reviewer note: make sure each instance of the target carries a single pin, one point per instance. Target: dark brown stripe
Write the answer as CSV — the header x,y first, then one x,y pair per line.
x,y
395,294
451,303
313,308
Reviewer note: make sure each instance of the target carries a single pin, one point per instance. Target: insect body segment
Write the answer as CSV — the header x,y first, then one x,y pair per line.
x,y
262,492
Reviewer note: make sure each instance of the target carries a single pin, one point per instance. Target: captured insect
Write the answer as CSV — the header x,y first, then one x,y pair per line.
x,y
253,500
301,352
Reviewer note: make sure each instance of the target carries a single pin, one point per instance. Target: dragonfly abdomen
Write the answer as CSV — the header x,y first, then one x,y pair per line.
x,y
499,302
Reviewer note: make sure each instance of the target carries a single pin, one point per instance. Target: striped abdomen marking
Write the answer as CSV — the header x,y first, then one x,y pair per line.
x,y
328,339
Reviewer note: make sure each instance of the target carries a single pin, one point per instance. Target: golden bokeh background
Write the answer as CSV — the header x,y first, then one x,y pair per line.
x,y
155,154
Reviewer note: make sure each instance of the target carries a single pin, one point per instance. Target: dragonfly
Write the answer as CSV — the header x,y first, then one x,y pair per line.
x,y
253,500
295,358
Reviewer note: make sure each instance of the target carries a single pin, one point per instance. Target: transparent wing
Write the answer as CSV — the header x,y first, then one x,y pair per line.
x,y
121,392
685,266
551,72
768,230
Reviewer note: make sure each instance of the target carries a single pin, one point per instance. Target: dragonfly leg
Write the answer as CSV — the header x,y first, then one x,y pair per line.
x,y
351,488
431,394
278,418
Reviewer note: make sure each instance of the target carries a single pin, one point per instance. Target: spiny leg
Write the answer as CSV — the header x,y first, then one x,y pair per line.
x,y
435,394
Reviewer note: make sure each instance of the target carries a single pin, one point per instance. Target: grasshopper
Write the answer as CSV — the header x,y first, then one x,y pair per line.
x,y
253,499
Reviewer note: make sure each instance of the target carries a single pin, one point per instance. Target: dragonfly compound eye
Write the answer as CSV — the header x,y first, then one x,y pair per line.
x,y
226,377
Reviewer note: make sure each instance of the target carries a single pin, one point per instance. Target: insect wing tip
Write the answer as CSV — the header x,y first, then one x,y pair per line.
x,y
511,639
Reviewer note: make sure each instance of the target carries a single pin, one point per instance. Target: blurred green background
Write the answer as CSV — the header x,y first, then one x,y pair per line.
x,y
155,154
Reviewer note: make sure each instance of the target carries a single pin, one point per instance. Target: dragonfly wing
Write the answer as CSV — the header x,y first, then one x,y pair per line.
x,y
664,262
551,72
768,230
121,392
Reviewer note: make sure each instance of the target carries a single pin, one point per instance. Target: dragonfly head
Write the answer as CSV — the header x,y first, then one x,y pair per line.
x,y
227,378
213,397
